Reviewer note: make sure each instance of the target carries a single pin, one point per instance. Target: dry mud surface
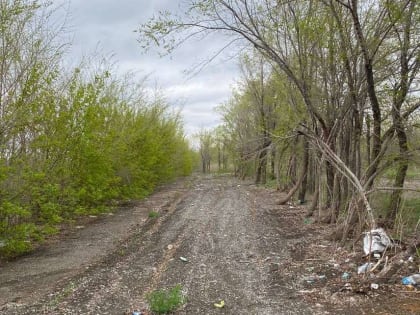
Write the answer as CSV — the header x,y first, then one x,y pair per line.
x,y
240,247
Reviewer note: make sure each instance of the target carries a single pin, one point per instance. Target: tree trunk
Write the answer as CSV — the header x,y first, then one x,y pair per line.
x,y
399,97
368,140
261,174
292,191
305,164
291,169
273,163
314,203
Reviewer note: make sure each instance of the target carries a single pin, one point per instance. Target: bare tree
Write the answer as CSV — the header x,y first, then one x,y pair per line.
x,y
342,57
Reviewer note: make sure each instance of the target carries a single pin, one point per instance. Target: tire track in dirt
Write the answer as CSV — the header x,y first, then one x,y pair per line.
x,y
227,258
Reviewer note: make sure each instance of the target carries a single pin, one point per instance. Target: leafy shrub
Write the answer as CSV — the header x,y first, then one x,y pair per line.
x,y
77,140
15,247
164,301
15,231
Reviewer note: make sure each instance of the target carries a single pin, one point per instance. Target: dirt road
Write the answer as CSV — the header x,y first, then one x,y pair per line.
x,y
236,251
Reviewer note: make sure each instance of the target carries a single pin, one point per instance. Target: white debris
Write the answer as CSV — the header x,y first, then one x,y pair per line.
x,y
364,268
376,241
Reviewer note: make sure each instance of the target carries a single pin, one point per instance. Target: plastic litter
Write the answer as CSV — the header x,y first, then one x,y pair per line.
x,y
183,259
310,279
137,313
374,286
347,287
220,305
364,268
376,241
345,276
413,280
307,221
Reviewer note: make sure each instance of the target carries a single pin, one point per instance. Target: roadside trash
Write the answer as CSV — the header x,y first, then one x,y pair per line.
x,y
376,241
307,221
137,313
309,279
374,286
220,305
347,287
345,276
312,278
377,255
413,280
170,246
364,268
183,259
410,259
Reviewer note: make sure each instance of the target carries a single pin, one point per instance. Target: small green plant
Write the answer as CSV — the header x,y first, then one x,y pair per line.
x,y
164,301
63,294
153,214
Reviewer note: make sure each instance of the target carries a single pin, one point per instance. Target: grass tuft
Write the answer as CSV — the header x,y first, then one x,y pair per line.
x,y
153,214
164,301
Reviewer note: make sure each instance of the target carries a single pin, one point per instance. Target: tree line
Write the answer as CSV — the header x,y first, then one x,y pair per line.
x,y
72,141
328,101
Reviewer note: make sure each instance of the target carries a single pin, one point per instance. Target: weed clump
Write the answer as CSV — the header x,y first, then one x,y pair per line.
x,y
153,214
164,301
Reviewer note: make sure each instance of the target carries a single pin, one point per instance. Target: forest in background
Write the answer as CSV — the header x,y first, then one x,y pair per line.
x,y
327,107
73,141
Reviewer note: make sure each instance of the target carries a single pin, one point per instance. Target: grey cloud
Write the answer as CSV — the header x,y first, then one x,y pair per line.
x,y
111,24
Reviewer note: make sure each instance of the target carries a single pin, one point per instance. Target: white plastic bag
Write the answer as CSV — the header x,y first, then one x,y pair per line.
x,y
376,241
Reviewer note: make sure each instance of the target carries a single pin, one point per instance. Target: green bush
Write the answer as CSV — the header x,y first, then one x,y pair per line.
x,y
16,232
77,141
153,214
164,301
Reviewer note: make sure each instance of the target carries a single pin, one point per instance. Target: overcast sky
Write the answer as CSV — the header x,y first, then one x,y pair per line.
x,y
110,25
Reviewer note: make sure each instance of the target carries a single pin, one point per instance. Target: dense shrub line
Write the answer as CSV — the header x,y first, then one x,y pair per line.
x,y
72,142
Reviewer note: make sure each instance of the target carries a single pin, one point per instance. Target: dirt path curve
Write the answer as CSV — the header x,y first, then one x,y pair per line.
x,y
234,253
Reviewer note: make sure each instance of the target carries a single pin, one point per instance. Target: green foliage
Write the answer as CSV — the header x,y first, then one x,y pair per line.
x,y
153,214
15,230
164,301
271,183
73,142
409,214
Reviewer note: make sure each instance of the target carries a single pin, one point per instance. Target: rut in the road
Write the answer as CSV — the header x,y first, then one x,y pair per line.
x,y
233,254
